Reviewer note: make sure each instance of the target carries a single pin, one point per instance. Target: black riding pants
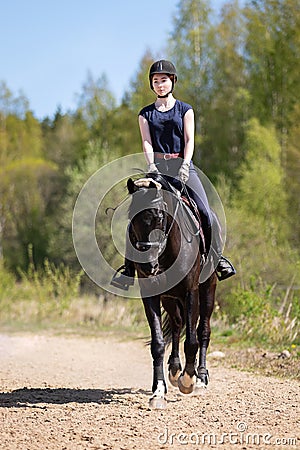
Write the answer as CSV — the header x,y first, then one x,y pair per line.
x,y
195,189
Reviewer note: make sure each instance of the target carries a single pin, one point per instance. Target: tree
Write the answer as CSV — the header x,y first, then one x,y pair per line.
x,y
24,195
95,105
261,187
272,51
189,47
25,182
209,58
258,214
61,243
139,93
292,178
228,106
10,104
65,138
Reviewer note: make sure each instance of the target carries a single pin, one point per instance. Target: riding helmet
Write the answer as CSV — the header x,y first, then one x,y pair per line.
x,y
162,66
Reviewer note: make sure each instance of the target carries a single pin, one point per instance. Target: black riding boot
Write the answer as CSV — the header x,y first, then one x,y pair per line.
x,y
126,278
224,268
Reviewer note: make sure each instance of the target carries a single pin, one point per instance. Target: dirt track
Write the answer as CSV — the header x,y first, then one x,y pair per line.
x,y
79,393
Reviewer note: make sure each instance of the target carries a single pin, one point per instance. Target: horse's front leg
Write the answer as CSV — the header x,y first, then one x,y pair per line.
x,y
207,301
187,380
174,310
159,387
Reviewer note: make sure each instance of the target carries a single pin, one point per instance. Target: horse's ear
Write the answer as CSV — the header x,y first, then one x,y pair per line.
x,y
155,185
152,185
131,186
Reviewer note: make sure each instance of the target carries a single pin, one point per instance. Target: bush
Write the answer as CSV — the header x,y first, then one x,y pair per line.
x,y
253,314
38,293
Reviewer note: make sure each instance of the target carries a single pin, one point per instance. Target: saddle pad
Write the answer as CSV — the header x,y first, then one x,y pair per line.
x,y
194,215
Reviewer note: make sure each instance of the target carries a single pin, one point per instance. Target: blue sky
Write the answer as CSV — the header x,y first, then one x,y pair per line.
x,y
47,48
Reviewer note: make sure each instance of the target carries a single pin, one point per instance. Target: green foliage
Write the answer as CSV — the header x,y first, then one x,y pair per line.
x,y
7,286
64,139
10,104
23,199
292,165
227,108
52,287
253,315
51,298
39,292
261,188
139,93
257,222
272,47
96,104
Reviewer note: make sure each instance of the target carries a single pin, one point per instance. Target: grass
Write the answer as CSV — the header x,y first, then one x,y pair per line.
x,y
50,298
263,315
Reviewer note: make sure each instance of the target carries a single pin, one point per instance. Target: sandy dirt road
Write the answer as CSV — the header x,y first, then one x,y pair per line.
x,y
92,393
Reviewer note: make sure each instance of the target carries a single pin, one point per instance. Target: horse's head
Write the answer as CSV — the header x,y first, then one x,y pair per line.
x,y
148,216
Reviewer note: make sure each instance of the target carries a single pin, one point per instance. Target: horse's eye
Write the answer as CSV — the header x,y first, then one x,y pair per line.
x,y
148,219
142,247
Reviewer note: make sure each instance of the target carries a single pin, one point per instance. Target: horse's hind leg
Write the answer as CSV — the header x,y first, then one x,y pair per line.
x,y
187,380
159,387
207,301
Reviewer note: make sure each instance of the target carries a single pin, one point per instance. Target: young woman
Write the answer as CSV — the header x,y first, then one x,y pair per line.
x,y
167,130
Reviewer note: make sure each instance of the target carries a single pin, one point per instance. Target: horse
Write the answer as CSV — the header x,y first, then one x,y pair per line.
x,y
170,257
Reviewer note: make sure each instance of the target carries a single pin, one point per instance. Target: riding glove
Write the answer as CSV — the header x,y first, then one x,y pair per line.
x,y
184,172
152,168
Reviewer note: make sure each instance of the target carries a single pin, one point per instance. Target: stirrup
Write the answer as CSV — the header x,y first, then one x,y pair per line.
x,y
226,272
122,281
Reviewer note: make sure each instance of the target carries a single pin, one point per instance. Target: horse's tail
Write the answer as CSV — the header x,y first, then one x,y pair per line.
x,y
167,327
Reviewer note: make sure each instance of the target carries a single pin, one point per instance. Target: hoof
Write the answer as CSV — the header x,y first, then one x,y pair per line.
x,y
186,384
203,376
200,387
174,378
157,403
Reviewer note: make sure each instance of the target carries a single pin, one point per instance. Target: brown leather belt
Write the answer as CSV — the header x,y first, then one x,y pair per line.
x,y
166,156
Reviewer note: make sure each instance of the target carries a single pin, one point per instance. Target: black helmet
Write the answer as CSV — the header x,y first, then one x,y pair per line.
x,y
162,66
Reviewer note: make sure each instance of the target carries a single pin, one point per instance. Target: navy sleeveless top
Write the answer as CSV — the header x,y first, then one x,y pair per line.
x,y
166,128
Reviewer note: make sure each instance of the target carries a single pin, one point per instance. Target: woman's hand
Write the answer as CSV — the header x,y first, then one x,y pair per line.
x,y
184,172
152,168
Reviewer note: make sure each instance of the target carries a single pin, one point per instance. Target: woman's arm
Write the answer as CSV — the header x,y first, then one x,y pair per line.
x,y
189,135
146,140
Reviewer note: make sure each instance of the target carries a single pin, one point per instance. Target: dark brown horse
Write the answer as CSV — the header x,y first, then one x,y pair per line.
x,y
167,250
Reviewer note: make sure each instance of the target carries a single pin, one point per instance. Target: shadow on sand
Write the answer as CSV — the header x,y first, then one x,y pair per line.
x,y
32,397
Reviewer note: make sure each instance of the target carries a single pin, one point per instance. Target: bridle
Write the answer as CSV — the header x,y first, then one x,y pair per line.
x,y
159,244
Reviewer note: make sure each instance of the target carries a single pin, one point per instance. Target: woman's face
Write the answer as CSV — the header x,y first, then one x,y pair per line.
x,y
162,83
